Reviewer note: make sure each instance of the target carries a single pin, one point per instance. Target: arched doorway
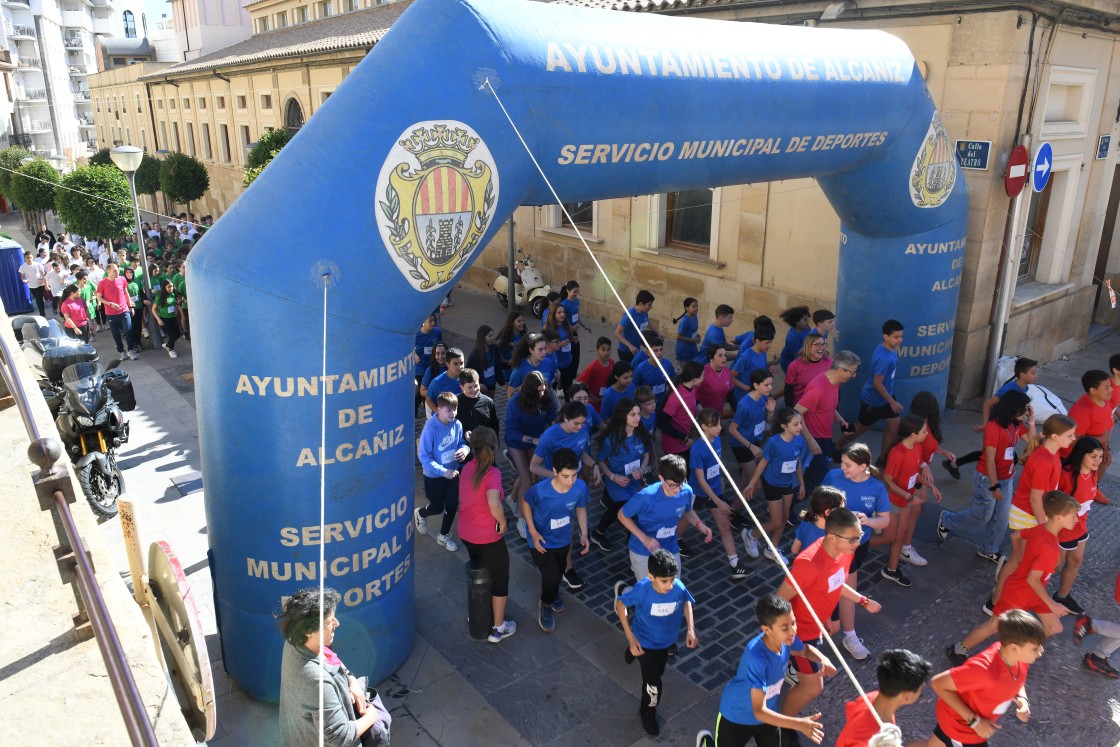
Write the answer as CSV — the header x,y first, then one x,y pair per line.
x,y
293,116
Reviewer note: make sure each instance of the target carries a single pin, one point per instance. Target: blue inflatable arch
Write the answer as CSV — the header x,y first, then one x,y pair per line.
x,y
414,152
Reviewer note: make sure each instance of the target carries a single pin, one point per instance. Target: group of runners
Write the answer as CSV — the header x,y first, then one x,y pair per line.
x,y
646,433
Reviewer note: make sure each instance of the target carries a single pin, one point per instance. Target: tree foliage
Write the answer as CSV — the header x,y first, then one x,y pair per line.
x,y
33,186
101,158
269,143
147,176
253,172
183,178
10,160
97,202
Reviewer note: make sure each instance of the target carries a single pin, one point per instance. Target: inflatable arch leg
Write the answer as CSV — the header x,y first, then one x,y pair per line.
x,y
413,152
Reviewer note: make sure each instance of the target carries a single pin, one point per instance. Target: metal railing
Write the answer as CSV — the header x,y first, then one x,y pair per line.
x,y
36,125
20,30
55,490
81,95
31,95
73,42
29,62
20,138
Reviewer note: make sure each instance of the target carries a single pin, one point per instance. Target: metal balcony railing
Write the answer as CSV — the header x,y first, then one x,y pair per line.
x,y
19,30
29,62
33,94
36,125
54,487
21,138
73,42
81,95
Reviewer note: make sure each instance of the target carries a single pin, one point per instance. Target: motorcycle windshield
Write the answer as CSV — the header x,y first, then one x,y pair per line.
x,y
85,387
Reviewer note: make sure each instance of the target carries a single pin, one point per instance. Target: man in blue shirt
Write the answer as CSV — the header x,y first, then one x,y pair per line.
x,y
653,514
629,333
876,399
748,707
548,508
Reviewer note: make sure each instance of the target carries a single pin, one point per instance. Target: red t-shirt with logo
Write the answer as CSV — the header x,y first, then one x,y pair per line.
x,y
819,400
595,378
1041,554
860,723
1083,488
903,465
987,686
1092,420
821,578
1042,471
1004,441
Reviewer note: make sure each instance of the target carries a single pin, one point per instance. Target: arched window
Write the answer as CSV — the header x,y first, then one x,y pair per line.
x,y
129,25
293,116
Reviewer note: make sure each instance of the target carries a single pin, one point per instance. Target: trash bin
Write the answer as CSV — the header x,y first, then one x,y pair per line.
x,y
480,615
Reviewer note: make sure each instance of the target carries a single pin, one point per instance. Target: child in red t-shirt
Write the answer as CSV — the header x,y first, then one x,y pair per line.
x,y
1025,588
972,697
595,376
1093,413
1042,471
821,570
900,473
902,675
1079,479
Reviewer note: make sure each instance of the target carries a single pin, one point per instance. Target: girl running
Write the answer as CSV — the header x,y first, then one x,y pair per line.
x,y
623,450
797,319
1078,479
688,332
706,481
620,384
716,385
781,470
748,424
528,414
558,322
508,336
673,420
811,528
901,473
485,359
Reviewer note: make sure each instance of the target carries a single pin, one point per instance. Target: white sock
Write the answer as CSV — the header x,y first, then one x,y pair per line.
x,y
733,560
851,634
907,548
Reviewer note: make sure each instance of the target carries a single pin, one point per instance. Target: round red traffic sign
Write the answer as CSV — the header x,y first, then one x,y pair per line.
x,y
1015,178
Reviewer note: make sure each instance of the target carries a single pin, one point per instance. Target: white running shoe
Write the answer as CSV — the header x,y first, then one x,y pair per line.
x,y
447,541
855,647
751,543
172,353
501,632
420,521
523,529
773,557
911,556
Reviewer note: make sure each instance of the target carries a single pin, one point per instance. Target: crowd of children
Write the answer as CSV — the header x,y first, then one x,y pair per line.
x,y
647,435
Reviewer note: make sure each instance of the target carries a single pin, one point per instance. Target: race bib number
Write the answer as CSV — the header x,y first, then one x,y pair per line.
x,y
659,389
566,346
789,467
758,429
1009,454
428,350
446,457
171,309
713,472
645,325
662,609
602,391
1001,709
774,690
560,523
913,481
836,580
666,532
631,467
1084,508
135,299
488,373
574,320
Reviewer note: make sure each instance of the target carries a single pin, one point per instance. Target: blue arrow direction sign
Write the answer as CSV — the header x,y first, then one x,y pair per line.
x,y
1041,167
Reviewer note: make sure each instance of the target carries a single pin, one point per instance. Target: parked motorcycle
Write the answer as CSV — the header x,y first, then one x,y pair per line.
x,y
528,284
92,426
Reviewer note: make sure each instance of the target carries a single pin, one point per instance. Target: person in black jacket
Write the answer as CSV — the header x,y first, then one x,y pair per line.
x,y
475,408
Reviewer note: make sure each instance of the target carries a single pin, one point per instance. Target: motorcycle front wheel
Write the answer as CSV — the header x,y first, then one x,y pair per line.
x,y
503,299
102,490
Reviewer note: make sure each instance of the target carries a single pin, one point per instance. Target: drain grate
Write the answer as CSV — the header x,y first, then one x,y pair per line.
x,y
180,377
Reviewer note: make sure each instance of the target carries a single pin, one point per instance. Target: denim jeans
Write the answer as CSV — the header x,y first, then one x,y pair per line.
x,y
120,325
985,522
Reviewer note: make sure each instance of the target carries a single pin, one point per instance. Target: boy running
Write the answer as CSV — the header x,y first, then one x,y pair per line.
x,y
901,675
876,399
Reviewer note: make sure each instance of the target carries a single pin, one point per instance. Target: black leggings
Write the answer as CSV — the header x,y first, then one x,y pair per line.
x,y
552,563
495,556
610,513
171,331
443,498
731,734
653,666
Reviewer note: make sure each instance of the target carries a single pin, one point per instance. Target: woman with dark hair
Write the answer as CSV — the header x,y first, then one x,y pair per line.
x,y
508,336
623,449
75,315
307,663
136,294
166,303
484,359
528,415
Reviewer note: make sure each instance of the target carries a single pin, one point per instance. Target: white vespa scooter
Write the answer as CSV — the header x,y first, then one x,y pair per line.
x,y
528,285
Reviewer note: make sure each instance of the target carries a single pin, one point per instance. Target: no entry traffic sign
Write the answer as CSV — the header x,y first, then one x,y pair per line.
x,y
1015,178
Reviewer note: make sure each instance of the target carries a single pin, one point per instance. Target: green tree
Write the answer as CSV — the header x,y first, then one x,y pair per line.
x,y
10,160
183,178
147,176
97,202
33,186
269,143
253,172
101,158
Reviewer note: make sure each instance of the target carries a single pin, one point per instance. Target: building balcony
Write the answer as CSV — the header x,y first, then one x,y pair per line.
x,y
29,63
19,31
85,125
21,139
16,3
104,26
77,19
73,43
36,126
81,97
78,71
30,95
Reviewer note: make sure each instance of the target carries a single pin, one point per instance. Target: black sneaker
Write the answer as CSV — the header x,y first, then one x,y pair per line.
x,y
987,606
1100,665
954,658
649,721
683,550
896,576
1082,628
739,522
1070,604
572,580
952,469
600,541
741,572
991,557
673,649
942,532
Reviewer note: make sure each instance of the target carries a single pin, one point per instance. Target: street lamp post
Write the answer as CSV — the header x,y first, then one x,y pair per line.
x,y
128,159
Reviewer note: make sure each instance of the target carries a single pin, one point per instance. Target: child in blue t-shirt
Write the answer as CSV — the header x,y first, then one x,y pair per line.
x,y
876,399
651,612
714,335
656,373
781,470
688,332
706,481
811,528
748,707
630,326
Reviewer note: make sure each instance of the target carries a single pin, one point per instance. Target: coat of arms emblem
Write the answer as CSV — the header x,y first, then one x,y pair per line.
x,y
935,168
438,189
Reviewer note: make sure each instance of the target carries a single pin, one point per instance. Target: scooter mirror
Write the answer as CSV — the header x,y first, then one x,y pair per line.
x,y
113,363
